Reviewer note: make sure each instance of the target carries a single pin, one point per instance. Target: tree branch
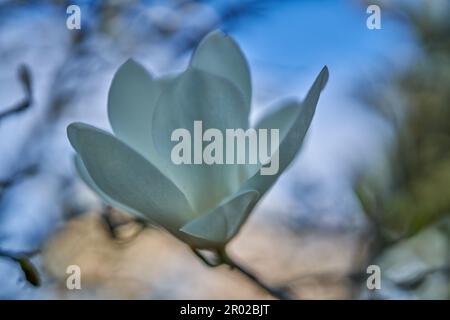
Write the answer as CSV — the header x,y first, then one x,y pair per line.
x,y
25,78
28,171
23,259
275,292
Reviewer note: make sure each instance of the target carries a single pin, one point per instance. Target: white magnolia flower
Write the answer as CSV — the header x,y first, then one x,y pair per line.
x,y
202,205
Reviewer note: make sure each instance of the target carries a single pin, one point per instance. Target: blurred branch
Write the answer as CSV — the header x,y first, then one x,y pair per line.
x,y
276,292
113,224
221,257
415,282
204,259
23,259
25,79
17,177
17,254
325,278
233,11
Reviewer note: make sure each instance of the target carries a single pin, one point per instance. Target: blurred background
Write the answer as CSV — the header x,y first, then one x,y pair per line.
x,y
370,187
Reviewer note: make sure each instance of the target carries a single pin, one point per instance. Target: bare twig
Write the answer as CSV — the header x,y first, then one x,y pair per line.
x,y
204,259
26,172
112,225
223,258
25,79
23,259
279,293
415,282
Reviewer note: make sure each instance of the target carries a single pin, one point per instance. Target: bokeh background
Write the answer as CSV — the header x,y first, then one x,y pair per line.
x,y
371,186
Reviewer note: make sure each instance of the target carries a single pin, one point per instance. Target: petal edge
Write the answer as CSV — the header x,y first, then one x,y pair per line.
x,y
218,226
128,178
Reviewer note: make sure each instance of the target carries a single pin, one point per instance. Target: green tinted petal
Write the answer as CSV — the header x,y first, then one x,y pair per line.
x,y
131,102
219,54
293,126
281,117
84,175
194,96
128,178
221,224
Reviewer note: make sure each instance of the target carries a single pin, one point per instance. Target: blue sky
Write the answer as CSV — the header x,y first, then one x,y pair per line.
x,y
297,36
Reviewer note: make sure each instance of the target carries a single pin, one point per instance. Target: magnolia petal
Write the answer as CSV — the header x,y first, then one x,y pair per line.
x,y
281,118
196,95
219,54
84,175
221,224
128,178
131,102
293,132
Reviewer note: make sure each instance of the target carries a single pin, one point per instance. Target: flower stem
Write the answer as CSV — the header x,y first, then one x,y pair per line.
x,y
275,292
